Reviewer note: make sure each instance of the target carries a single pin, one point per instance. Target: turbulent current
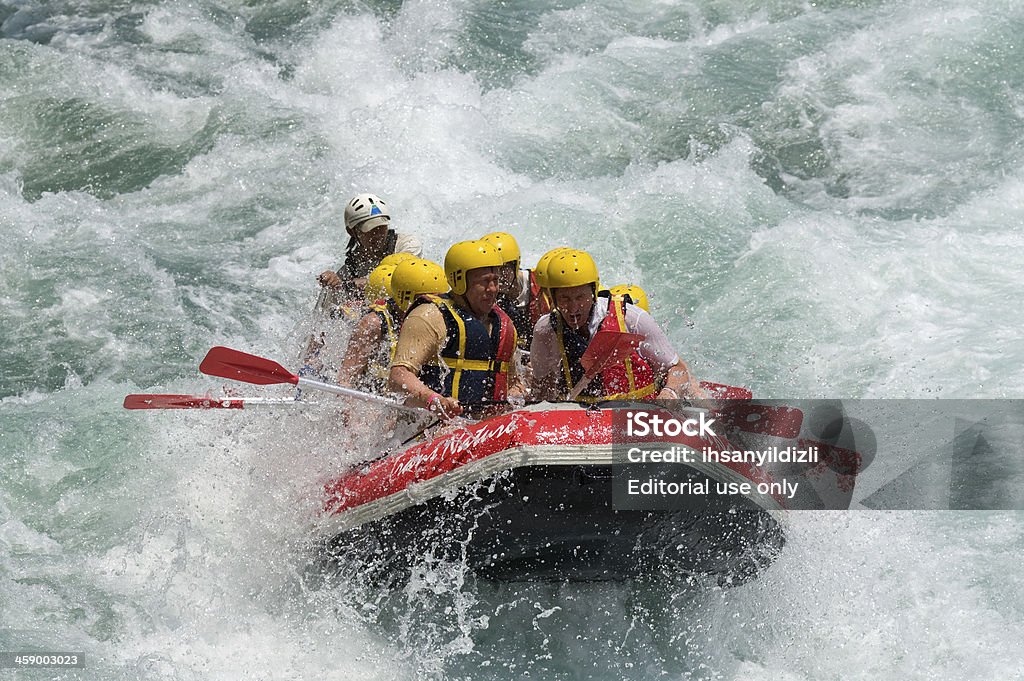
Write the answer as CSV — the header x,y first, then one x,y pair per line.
x,y
821,199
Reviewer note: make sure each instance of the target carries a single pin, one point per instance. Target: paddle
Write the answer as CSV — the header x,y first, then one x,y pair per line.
x,y
606,347
241,366
149,401
721,391
762,419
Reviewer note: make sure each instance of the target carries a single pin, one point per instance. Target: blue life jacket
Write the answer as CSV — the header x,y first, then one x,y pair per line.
x,y
473,365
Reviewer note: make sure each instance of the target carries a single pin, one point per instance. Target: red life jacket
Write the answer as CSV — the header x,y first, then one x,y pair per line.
x,y
633,379
539,305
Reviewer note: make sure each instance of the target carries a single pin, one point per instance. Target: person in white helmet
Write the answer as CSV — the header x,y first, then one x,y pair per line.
x,y
367,221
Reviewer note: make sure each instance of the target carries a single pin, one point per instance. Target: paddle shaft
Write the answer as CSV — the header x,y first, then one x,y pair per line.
x,y
152,401
579,387
304,382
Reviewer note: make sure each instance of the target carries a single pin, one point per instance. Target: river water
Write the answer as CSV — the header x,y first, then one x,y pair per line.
x,y
822,199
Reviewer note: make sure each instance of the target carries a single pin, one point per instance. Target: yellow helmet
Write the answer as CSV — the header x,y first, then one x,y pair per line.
x,y
506,245
415,277
465,256
396,258
378,283
635,293
571,268
541,270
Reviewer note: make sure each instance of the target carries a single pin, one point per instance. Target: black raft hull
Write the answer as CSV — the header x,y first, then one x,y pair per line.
x,y
556,523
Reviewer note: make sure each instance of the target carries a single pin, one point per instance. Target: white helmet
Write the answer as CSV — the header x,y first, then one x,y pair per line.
x,y
365,212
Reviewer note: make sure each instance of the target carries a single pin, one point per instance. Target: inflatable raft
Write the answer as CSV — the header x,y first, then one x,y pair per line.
x,y
530,495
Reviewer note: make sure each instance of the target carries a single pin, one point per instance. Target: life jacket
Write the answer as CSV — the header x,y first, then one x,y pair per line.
x,y
474,365
379,365
522,311
520,320
348,311
539,305
633,379
356,265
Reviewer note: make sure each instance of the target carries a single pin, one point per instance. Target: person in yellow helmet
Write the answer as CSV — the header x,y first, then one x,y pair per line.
x,y
372,345
633,294
540,277
518,291
378,283
561,338
457,349
396,258
371,239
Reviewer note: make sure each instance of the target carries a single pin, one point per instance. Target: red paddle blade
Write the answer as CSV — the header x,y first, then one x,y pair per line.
x,y
609,348
722,391
241,366
763,419
180,402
